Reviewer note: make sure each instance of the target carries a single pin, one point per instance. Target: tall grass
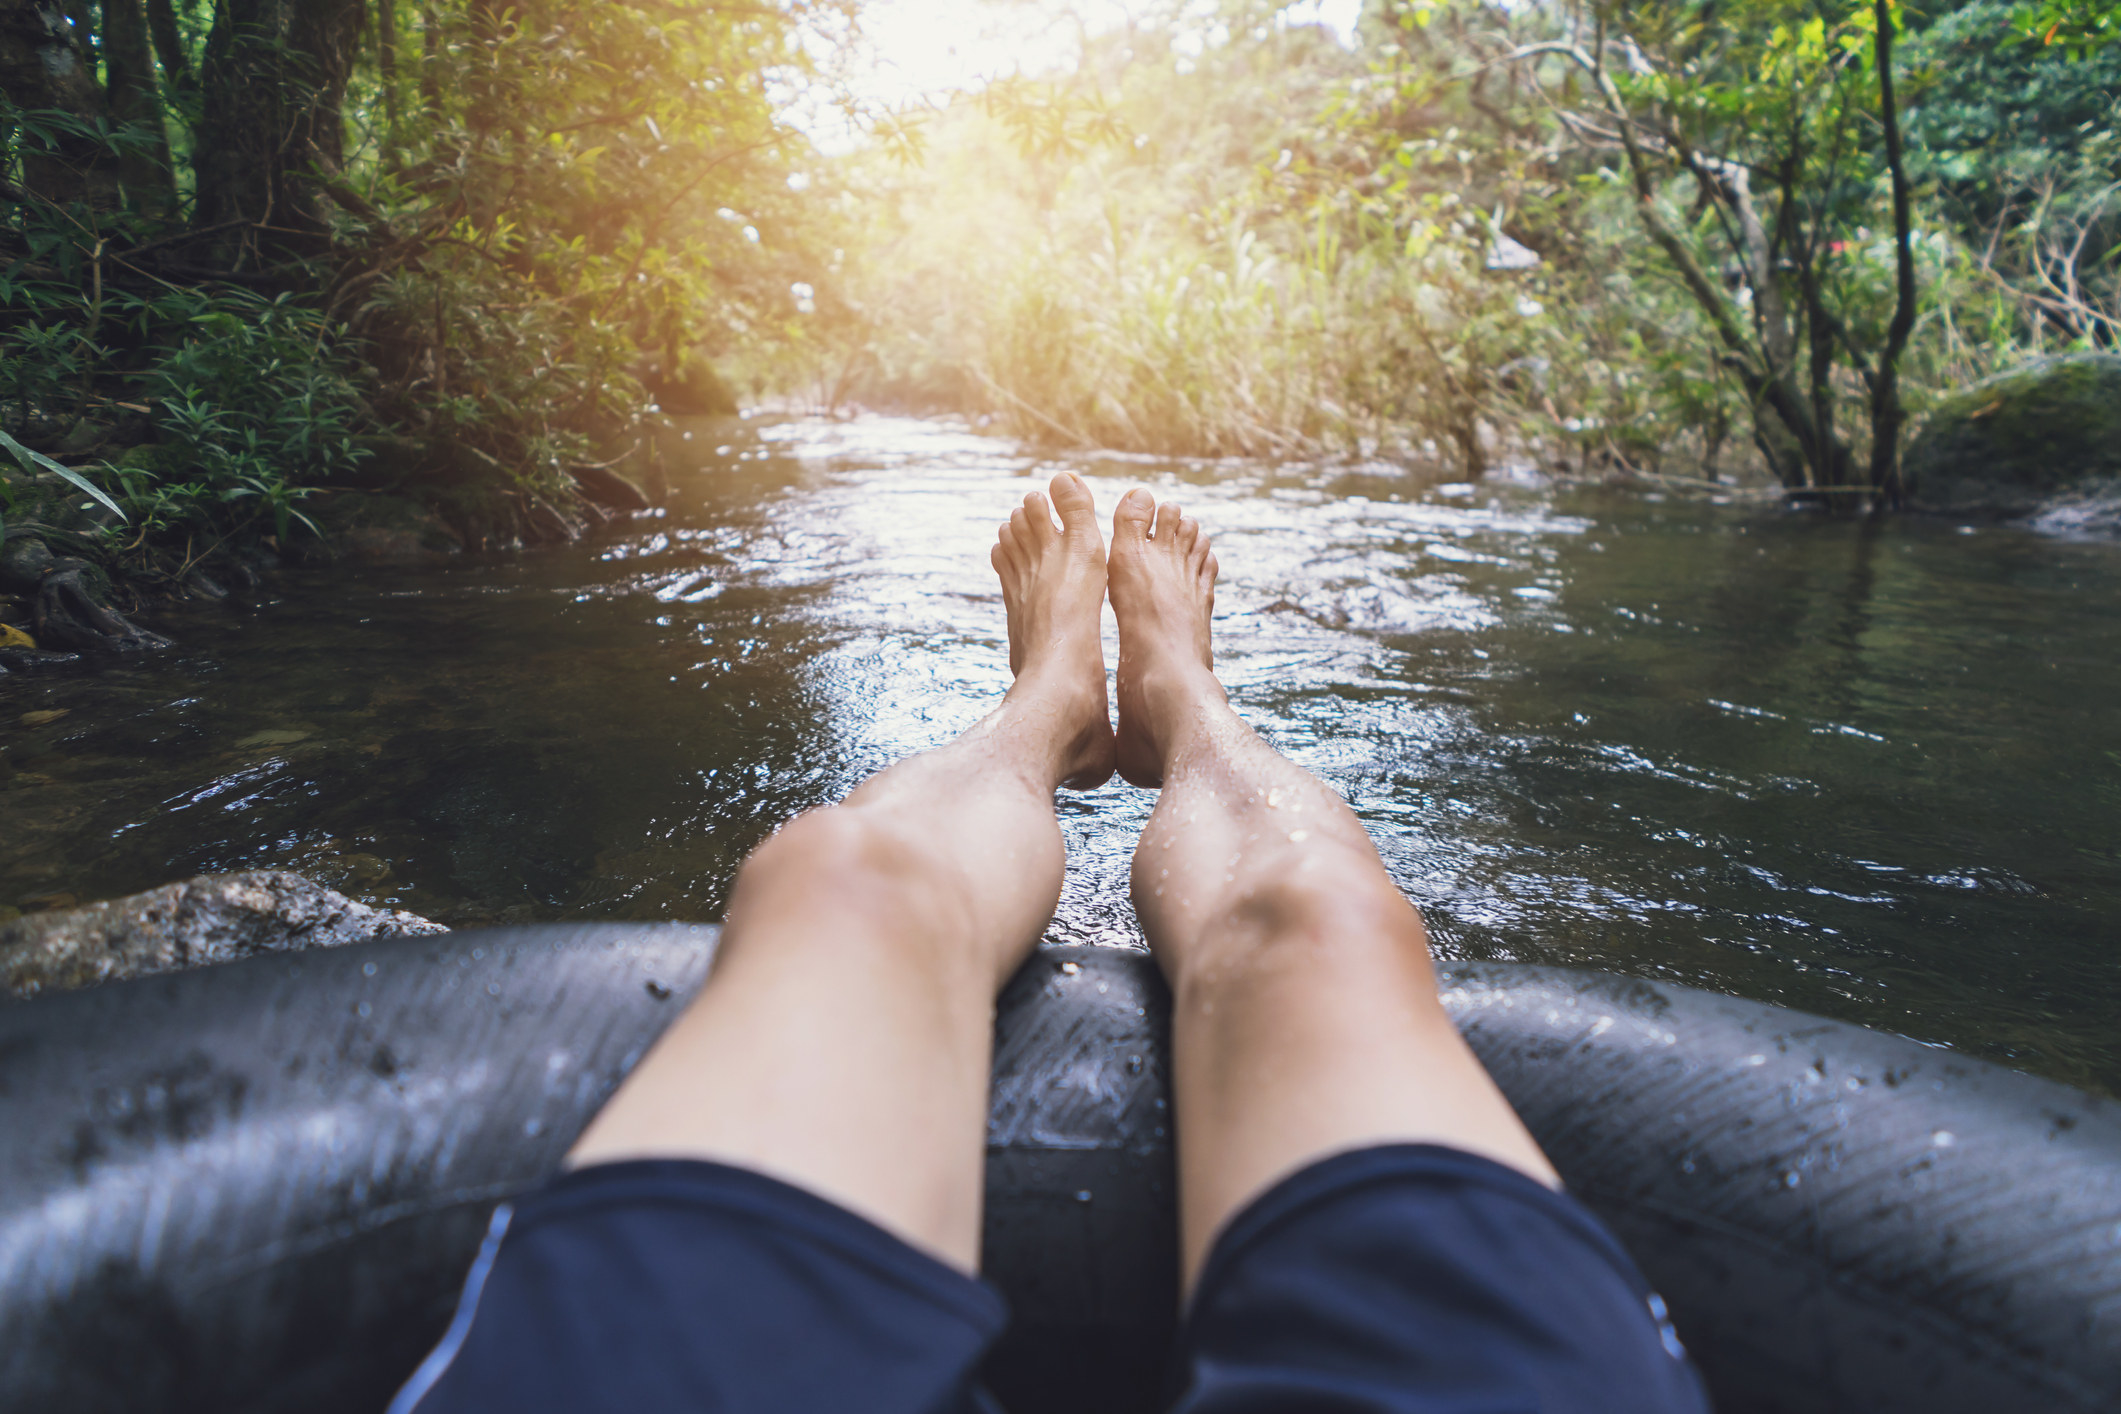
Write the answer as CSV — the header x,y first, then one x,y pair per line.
x,y
1152,344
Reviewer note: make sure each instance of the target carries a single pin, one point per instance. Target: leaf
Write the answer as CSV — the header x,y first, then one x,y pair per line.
x,y
37,461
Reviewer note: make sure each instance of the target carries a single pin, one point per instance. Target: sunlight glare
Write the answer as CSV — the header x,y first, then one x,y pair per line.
x,y
919,51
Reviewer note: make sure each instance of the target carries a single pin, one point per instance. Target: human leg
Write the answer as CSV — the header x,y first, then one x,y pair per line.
x,y
779,1209
1366,1226
1306,1021
842,1043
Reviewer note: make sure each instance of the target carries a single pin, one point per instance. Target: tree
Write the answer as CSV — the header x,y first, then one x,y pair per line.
x,y
135,104
47,74
1782,116
274,86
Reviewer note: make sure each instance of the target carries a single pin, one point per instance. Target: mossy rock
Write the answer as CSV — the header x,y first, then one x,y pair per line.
x,y
2011,443
380,528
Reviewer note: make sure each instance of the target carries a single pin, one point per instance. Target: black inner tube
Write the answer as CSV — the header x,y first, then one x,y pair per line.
x,y
256,1187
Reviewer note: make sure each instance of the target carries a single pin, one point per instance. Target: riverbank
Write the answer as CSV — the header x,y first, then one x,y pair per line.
x,y
72,588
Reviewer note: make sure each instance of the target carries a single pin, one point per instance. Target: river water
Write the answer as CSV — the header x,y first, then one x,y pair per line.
x,y
1870,772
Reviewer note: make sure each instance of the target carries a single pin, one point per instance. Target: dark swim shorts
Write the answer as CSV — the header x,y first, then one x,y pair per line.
x,y
1389,1281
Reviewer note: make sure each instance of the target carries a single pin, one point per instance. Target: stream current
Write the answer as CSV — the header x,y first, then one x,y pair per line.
x,y
1873,772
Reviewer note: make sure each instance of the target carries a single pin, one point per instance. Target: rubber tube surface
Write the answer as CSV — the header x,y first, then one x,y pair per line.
x,y
256,1187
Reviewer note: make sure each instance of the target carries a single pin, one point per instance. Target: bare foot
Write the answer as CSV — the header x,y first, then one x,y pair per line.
x,y
1053,582
1163,591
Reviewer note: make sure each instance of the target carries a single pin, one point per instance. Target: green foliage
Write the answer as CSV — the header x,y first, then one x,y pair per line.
x,y
2078,29
255,406
37,461
1217,233
1993,121
539,216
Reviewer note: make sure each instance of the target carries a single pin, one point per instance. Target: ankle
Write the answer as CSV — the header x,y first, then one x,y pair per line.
x,y
1180,700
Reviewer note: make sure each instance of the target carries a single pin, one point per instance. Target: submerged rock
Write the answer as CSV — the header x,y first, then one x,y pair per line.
x,y
385,529
213,918
2014,443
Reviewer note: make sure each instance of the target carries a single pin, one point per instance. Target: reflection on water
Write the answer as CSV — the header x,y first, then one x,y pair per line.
x,y
1872,773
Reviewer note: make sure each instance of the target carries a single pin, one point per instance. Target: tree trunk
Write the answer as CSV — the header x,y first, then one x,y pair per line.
x,y
1802,451
430,63
273,84
169,48
1886,413
387,71
129,65
42,69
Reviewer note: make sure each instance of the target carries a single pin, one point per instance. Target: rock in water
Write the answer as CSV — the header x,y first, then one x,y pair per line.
x,y
69,612
2011,444
214,918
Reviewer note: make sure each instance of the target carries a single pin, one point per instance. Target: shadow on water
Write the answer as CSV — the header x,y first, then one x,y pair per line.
x,y
1868,771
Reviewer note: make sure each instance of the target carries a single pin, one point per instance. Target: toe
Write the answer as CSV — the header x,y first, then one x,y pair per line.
x,y
1188,535
1071,497
1168,516
1208,570
1009,542
1039,515
1132,517
1196,542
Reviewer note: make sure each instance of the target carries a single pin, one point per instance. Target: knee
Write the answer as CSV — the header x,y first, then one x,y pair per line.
x,y
842,854
1323,921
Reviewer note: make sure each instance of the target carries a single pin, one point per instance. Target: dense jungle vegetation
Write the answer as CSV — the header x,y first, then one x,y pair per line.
x,y
1698,237
279,271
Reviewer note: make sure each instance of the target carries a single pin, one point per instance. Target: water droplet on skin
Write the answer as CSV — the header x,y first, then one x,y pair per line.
x,y
1298,836
1944,1139
1273,800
